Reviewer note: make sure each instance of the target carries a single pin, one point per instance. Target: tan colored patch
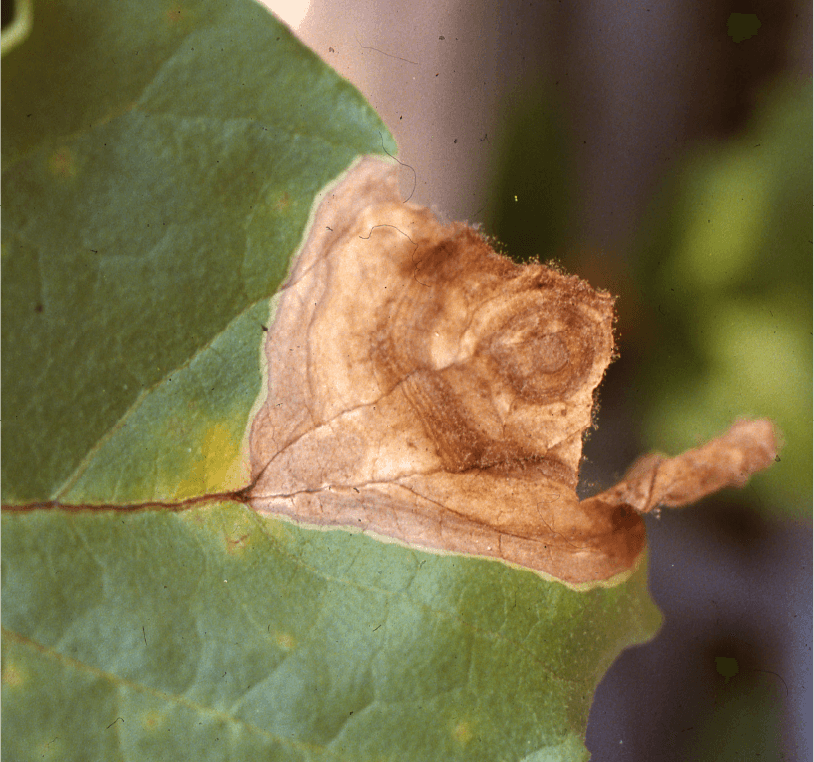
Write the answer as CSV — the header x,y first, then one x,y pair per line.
x,y
424,388
235,545
175,14
462,733
235,537
62,162
282,203
152,720
12,675
726,461
285,641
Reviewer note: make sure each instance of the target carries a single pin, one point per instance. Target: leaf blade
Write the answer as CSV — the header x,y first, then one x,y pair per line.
x,y
348,647
146,211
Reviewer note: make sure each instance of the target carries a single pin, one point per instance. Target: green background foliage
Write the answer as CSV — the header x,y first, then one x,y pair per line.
x,y
725,266
160,162
715,309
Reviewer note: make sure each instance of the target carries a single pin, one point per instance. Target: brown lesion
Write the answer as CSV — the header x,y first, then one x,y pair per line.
x,y
725,461
425,388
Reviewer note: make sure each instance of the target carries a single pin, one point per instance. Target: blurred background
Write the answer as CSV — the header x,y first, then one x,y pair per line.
x,y
662,151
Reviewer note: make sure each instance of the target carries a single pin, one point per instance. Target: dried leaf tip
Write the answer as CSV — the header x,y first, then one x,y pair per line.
x,y
726,461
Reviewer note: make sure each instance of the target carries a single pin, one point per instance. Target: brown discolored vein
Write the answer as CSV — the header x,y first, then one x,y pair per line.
x,y
239,496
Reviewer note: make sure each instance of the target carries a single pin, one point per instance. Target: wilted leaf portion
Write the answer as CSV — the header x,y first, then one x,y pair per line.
x,y
424,388
726,461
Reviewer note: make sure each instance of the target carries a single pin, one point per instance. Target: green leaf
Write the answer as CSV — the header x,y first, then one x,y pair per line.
x,y
160,163
217,634
159,166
